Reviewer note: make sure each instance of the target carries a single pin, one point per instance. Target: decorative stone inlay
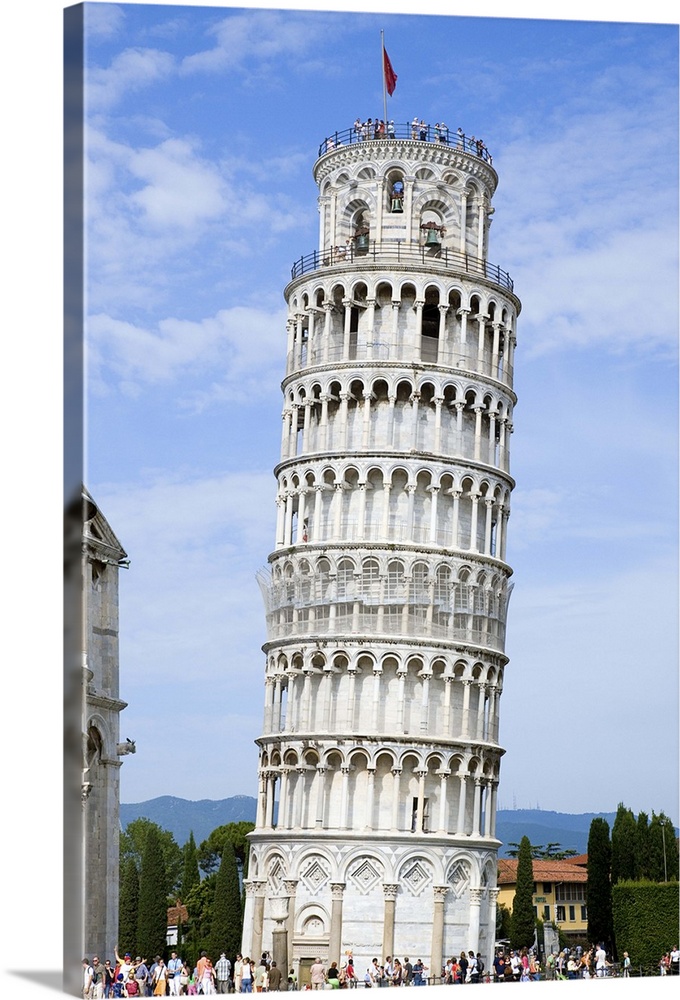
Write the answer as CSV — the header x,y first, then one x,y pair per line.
x,y
365,875
459,878
314,927
315,875
416,875
275,875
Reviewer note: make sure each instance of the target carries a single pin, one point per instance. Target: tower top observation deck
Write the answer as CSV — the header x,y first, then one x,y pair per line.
x,y
415,131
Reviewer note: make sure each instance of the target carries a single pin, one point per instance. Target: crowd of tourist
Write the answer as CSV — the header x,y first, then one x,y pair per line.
x,y
378,128
137,977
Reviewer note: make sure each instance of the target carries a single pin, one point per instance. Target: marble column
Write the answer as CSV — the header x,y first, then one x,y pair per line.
x,y
436,956
335,941
390,893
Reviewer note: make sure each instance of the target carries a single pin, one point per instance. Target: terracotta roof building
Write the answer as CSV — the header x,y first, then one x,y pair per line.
x,y
559,892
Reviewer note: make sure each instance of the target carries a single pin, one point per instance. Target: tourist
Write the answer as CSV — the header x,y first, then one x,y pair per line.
x,y
222,974
407,975
237,973
600,961
396,973
418,970
333,976
247,970
674,961
142,975
97,979
261,976
174,970
124,964
414,128
626,965
422,130
184,980
87,979
390,130
109,978
208,977
274,978
159,977
499,968
317,974
463,967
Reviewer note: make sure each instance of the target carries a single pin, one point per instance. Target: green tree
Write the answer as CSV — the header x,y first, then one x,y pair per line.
x,y
641,846
199,904
190,874
503,922
598,886
225,930
210,851
127,907
662,850
152,915
132,843
551,852
623,845
523,923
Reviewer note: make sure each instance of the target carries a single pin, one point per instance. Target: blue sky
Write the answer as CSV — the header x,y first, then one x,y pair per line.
x,y
203,126
582,121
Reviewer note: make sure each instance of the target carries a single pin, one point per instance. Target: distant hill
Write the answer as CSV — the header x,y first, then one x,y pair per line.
x,y
181,816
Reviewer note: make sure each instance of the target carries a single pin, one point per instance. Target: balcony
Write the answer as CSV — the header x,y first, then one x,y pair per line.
x,y
441,136
393,255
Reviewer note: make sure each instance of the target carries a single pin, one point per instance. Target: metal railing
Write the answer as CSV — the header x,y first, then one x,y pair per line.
x,y
393,625
393,254
384,350
440,135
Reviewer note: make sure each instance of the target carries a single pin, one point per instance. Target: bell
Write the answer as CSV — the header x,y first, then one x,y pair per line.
x,y
362,242
433,239
397,205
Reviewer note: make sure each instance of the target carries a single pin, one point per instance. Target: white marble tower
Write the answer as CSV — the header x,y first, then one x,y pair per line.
x,y
387,590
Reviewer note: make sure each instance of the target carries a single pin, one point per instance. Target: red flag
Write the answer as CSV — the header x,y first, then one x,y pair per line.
x,y
390,75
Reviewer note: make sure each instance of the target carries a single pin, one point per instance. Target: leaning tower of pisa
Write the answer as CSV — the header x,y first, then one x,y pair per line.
x,y
387,590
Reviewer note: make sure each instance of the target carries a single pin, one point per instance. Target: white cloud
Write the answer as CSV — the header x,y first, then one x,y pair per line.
x,y
103,20
131,70
245,346
252,41
590,231
161,219
180,189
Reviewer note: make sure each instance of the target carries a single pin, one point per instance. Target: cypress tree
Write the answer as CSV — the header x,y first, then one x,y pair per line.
x,y
225,930
623,845
523,922
127,907
662,850
598,886
641,847
190,874
152,918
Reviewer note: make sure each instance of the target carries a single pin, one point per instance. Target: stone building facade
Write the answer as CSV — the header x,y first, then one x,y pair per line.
x,y
103,557
387,591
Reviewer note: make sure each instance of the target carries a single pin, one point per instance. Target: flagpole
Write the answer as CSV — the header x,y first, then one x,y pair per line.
x,y
382,63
